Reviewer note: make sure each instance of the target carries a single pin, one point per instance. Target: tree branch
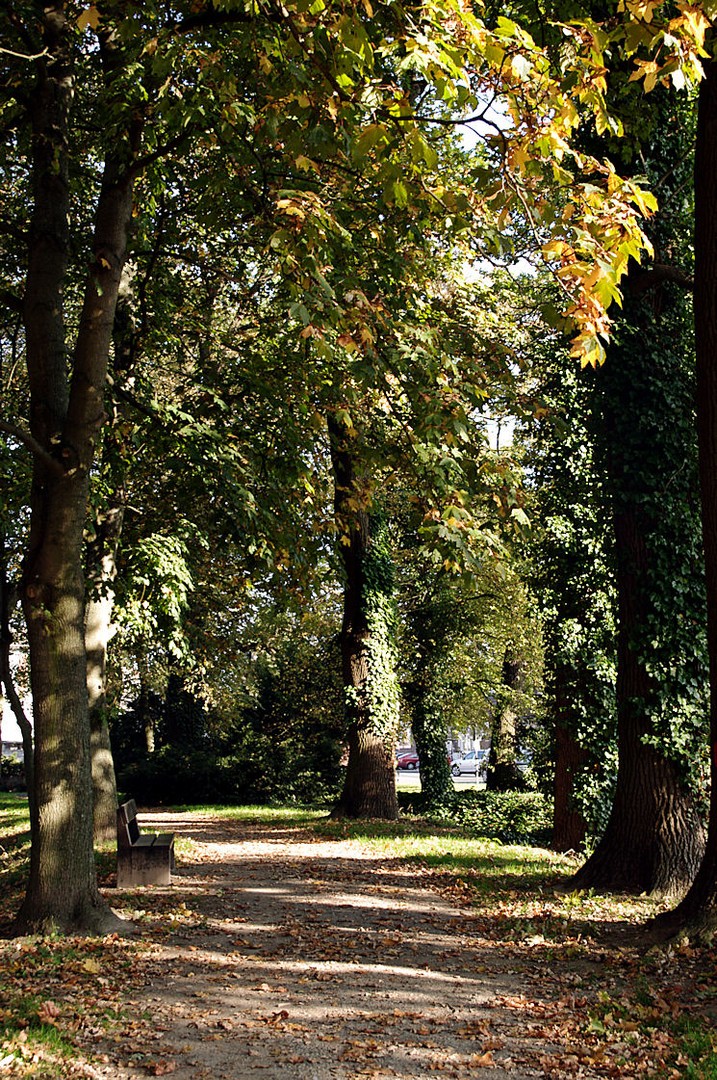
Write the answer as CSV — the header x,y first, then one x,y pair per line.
x,y
34,446
650,279
205,20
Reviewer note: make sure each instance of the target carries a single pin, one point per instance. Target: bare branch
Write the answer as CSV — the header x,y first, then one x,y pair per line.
x,y
34,446
24,56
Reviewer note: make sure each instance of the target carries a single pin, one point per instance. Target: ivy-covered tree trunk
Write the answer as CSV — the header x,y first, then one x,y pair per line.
x,y
66,410
431,640
654,837
367,645
503,773
429,730
698,909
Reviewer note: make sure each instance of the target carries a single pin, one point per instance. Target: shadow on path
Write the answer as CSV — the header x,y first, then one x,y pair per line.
x,y
279,954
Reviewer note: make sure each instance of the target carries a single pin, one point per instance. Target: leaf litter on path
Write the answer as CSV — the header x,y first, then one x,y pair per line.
x,y
278,953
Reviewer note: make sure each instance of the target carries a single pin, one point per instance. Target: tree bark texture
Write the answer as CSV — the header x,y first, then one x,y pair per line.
x,y
66,411
369,789
654,837
698,908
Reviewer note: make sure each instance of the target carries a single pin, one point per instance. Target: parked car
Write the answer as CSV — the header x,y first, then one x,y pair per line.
x,y
475,761
407,761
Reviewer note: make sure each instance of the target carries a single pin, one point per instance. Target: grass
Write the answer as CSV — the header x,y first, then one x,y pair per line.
x,y
258,814
697,1050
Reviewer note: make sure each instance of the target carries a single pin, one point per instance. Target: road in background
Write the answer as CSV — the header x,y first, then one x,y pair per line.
x,y
410,779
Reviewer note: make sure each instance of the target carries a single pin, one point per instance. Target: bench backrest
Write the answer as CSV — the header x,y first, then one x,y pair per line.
x,y
127,827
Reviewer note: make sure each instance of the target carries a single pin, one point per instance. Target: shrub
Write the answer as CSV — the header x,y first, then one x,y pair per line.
x,y
177,776
12,774
513,817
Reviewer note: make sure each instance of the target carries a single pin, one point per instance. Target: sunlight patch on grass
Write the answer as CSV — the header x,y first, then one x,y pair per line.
x,y
257,815
14,814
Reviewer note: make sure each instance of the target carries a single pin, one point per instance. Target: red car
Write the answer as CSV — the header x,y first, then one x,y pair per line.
x,y
407,761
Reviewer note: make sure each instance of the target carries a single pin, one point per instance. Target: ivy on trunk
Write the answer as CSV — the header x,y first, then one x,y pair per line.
x,y
367,642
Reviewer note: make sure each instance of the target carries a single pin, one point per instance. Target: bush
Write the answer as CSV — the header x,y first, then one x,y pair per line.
x,y
12,774
182,776
513,817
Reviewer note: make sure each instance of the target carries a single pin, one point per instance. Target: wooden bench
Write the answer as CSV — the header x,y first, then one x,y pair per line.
x,y
142,858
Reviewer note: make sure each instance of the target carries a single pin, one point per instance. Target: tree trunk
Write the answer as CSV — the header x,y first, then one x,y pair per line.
x,y
427,619
429,731
654,838
569,827
367,651
66,412
146,713
98,631
503,773
7,605
698,909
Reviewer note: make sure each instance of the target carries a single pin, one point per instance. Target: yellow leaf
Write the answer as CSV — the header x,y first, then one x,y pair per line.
x,y
697,23
348,343
89,17
305,163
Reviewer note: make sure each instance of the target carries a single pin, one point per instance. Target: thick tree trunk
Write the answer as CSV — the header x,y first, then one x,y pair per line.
x,y
654,838
370,782
98,631
66,412
698,909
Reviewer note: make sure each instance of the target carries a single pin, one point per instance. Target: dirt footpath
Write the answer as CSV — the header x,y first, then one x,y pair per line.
x,y
307,959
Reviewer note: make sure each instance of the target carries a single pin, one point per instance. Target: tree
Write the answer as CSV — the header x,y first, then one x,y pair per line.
x,y
64,417
181,69
698,909
570,570
368,649
645,447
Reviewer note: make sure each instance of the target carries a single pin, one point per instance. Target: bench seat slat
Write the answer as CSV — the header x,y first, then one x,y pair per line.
x,y
145,839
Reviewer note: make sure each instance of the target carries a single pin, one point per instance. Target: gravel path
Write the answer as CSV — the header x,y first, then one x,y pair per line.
x,y
304,959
